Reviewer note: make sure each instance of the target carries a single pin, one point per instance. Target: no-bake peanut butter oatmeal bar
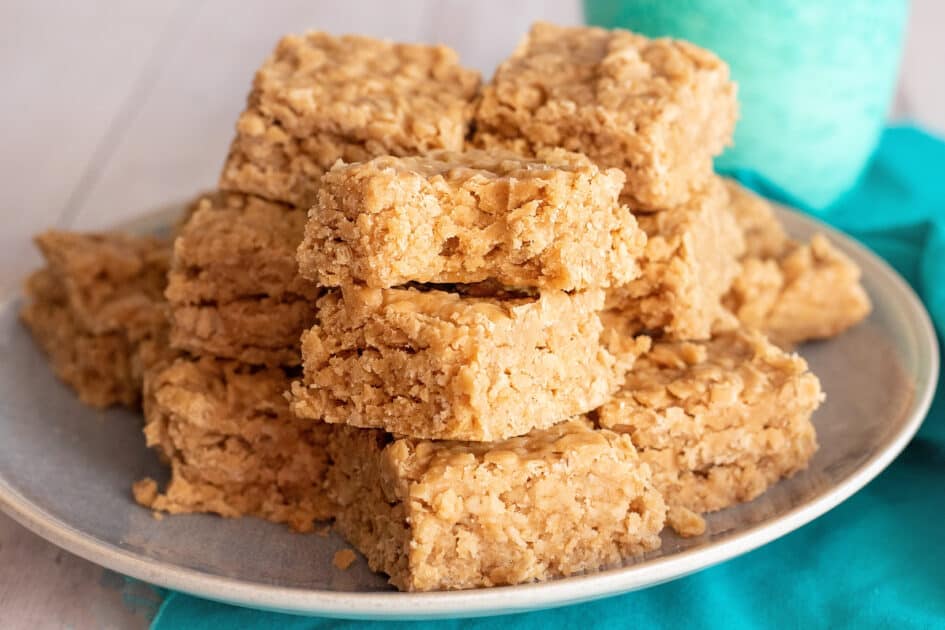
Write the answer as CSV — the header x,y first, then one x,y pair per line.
x,y
793,291
658,109
717,421
233,445
689,263
454,515
552,222
443,365
498,336
95,306
234,288
320,98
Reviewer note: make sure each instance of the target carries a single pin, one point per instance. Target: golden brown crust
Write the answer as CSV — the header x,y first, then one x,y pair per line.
x,y
319,98
466,217
453,515
658,109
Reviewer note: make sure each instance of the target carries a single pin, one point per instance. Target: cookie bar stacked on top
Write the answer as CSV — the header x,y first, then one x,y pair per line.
x,y
498,334
237,303
658,109
460,341
467,292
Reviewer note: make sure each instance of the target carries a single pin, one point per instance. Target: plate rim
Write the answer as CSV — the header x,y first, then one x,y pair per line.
x,y
518,598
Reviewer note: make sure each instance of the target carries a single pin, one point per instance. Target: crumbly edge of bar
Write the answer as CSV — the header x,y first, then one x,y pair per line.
x,y
737,404
446,509
271,164
233,444
189,494
762,232
690,261
263,331
97,367
236,246
97,310
374,524
112,281
779,453
473,216
442,366
812,292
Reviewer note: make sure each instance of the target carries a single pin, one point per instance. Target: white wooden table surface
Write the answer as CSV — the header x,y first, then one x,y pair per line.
x,y
109,109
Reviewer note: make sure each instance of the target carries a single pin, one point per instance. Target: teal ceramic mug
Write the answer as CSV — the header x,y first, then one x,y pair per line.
x,y
815,78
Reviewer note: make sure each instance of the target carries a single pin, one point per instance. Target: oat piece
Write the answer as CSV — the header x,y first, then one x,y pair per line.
x,y
233,445
442,365
554,222
319,98
658,109
234,287
95,306
793,291
685,522
455,515
343,559
718,421
690,261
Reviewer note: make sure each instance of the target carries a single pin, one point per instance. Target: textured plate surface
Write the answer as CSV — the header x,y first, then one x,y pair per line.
x,y
66,471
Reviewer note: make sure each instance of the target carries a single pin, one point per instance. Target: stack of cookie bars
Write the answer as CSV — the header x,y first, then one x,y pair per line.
x,y
497,333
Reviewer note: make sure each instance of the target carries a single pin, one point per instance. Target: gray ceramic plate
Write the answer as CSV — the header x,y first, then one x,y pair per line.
x,y
65,473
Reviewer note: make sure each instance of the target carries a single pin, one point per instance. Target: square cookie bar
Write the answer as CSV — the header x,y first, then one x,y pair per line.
x,y
793,291
552,222
234,288
319,98
717,421
233,446
94,306
441,365
452,515
658,109
690,261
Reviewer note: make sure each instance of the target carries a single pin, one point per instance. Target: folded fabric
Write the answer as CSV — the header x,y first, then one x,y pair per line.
x,y
876,560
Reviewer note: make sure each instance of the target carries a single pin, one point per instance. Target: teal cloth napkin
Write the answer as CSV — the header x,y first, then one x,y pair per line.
x,y
877,560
